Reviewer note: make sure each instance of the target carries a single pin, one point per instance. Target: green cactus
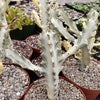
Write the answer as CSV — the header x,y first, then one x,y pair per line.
x,y
86,7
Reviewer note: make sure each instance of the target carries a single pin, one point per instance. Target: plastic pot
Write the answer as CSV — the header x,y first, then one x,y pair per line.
x,y
26,31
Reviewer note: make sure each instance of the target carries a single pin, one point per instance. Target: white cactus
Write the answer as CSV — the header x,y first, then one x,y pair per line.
x,y
52,29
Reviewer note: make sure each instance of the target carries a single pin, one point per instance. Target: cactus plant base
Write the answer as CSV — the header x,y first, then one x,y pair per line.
x,y
22,48
36,59
88,81
14,82
67,91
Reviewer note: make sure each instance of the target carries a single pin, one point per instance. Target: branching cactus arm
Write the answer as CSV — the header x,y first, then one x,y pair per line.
x,y
21,60
44,13
59,26
69,21
71,51
6,47
89,37
84,37
36,18
96,44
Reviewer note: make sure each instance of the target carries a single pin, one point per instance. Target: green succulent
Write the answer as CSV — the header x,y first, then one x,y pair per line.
x,y
16,18
86,7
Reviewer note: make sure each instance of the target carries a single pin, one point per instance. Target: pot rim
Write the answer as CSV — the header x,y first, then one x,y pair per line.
x,y
76,83
60,77
34,49
26,45
17,66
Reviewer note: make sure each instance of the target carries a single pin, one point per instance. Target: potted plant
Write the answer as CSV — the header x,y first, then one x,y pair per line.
x,y
22,48
67,91
19,23
84,7
86,68
33,42
52,58
14,82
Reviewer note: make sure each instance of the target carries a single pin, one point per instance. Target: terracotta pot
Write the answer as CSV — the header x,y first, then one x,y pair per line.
x,y
31,51
28,83
36,47
60,78
26,88
90,94
17,45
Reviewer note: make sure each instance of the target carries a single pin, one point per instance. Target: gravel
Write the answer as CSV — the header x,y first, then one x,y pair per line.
x,y
37,61
28,7
22,48
13,83
89,79
33,41
66,91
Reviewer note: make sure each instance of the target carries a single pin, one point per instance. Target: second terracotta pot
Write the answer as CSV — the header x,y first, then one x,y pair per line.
x,y
38,87
14,82
90,94
33,42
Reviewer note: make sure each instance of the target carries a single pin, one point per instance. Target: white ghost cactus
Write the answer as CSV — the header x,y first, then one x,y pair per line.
x,y
52,29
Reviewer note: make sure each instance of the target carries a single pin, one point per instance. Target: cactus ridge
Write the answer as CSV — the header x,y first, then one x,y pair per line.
x,y
52,64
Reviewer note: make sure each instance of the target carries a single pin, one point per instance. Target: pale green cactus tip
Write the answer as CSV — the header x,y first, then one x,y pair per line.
x,y
84,38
